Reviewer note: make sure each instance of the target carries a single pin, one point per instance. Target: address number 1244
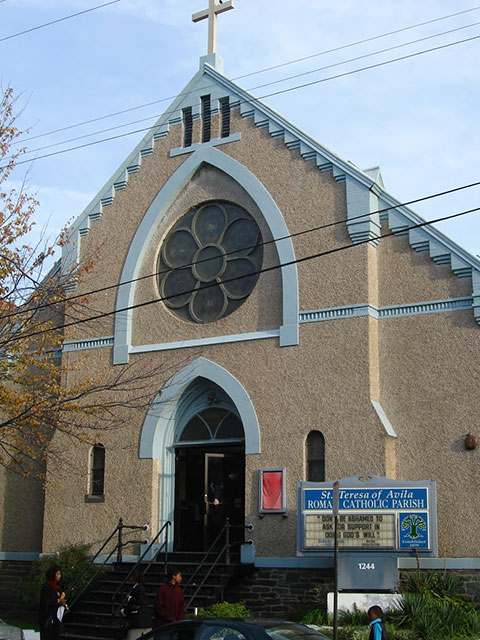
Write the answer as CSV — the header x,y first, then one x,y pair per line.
x,y
366,566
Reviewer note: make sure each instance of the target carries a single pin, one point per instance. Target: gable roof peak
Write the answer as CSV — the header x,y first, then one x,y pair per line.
x,y
212,59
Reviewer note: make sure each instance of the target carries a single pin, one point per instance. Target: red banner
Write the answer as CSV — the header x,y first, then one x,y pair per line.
x,y
272,490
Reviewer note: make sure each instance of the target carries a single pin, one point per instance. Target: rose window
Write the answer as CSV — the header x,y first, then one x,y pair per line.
x,y
209,262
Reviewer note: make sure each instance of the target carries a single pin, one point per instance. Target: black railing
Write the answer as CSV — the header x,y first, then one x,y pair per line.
x,y
161,552
117,548
220,550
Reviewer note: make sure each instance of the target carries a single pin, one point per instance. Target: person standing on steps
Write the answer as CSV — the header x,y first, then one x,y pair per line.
x,y
169,604
139,618
51,598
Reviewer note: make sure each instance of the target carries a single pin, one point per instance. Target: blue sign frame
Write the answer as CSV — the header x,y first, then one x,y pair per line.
x,y
413,505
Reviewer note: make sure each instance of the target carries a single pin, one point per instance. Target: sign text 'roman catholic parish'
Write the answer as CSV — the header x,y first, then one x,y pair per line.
x,y
373,514
371,499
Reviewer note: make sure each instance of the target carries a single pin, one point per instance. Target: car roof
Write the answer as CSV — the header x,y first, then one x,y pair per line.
x,y
256,621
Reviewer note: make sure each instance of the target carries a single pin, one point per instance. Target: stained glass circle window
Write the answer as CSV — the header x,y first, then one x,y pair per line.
x,y
209,262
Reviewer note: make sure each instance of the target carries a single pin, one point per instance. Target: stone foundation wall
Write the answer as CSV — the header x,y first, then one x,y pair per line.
x,y
281,592
12,573
275,593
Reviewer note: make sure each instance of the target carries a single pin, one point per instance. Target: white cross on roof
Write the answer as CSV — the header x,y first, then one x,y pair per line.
x,y
214,7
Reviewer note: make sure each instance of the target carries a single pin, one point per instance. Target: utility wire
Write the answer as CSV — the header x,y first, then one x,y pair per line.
x,y
246,75
267,95
266,242
248,275
352,44
47,24
267,84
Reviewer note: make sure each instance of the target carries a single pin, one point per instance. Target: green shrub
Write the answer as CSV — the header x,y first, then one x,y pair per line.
x,y
354,617
71,560
435,616
431,582
401,634
315,616
310,613
226,610
363,632
353,633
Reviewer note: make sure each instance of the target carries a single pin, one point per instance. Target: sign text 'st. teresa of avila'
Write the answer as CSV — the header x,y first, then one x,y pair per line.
x,y
397,499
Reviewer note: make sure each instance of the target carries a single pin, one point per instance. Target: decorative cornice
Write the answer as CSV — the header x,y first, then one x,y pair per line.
x,y
92,343
304,317
417,308
336,313
390,311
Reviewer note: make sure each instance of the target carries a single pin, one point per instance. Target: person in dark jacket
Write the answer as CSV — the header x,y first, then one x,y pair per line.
x,y
378,630
169,603
51,598
139,618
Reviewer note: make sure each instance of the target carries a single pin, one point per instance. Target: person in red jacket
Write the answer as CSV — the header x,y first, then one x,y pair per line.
x,y
169,604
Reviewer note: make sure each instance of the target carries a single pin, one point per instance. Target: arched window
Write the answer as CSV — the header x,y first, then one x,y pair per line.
x,y
315,456
213,424
97,470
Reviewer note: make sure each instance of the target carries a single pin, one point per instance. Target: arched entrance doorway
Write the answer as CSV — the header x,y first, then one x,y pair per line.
x,y
209,468
183,396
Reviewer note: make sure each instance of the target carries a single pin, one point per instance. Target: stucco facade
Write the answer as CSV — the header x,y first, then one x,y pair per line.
x,y
311,347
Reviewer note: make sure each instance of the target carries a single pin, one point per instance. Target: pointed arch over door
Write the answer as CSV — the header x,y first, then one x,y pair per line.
x,y
159,431
165,197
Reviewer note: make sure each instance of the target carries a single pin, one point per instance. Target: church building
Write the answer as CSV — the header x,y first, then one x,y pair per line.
x,y
304,326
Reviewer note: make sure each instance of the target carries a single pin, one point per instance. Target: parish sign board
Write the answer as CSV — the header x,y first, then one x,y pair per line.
x,y
375,514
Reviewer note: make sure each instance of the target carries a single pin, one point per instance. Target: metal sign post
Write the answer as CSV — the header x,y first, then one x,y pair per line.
x,y
335,559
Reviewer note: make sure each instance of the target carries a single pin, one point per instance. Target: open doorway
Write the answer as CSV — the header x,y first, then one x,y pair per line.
x,y
209,487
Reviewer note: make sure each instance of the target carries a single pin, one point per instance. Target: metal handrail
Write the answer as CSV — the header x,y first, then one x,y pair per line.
x,y
224,549
163,546
117,548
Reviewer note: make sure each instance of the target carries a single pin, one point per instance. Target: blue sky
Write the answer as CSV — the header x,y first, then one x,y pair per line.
x,y
417,119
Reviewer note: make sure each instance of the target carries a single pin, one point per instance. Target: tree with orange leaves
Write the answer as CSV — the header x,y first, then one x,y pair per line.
x,y
35,399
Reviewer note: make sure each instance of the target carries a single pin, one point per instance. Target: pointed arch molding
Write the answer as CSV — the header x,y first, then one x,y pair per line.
x,y
159,427
288,332
161,423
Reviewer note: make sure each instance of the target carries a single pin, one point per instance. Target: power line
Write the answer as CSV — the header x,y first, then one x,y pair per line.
x,y
248,275
438,194
367,55
268,95
267,84
364,41
246,75
47,24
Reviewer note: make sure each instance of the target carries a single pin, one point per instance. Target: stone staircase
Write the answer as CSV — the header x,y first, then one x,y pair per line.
x,y
92,615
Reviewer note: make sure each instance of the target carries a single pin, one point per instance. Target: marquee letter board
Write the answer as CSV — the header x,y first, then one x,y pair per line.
x,y
377,514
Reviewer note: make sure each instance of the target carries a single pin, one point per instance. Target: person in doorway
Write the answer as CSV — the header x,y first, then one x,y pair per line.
x,y
139,618
51,598
233,491
169,604
378,630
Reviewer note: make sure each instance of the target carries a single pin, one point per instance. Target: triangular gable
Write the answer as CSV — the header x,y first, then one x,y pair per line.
x,y
364,189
